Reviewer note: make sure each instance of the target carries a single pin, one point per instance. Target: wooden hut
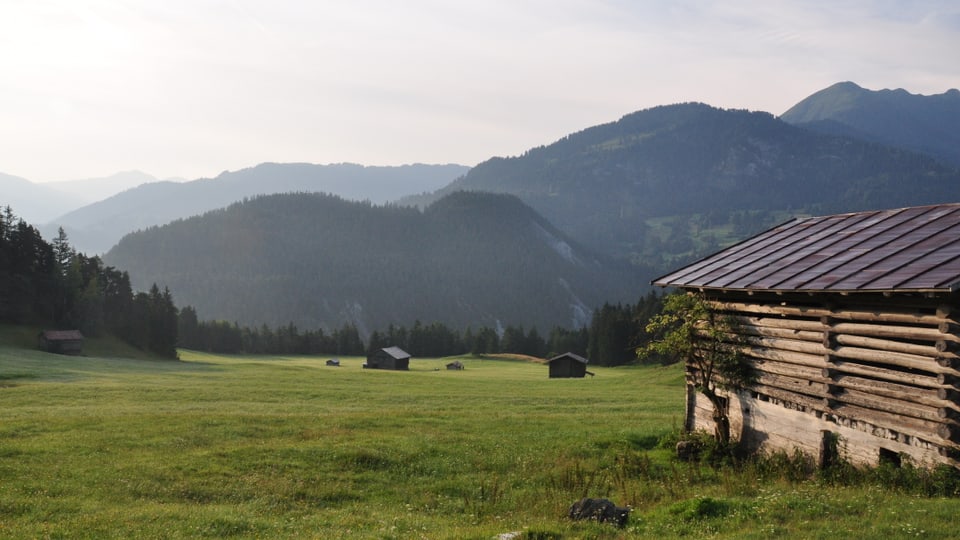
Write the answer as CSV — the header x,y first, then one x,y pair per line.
x,y
393,358
852,324
61,341
567,365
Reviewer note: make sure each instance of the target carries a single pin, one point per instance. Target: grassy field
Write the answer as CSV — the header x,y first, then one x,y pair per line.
x,y
255,447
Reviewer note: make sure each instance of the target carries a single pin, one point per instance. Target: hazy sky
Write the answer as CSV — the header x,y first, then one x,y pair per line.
x,y
190,88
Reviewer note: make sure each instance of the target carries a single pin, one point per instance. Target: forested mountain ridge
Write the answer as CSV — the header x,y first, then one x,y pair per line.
x,y
926,124
319,261
97,227
649,185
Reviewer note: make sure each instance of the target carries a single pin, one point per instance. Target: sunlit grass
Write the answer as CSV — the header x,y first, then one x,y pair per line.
x,y
286,447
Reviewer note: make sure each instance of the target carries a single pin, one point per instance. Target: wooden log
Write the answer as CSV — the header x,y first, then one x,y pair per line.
x,y
889,405
923,396
948,363
790,370
809,402
793,384
948,379
903,360
944,346
949,432
790,324
880,314
948,394
914,333
785,333
923,429
929,351
794,345
900,377
789,357
948,413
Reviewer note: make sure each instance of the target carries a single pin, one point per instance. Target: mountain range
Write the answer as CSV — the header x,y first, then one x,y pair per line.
x,y
659,181
926,124
97,227
320,261
654,189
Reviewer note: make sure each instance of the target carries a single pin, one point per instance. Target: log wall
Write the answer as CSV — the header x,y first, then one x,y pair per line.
x,y
882,372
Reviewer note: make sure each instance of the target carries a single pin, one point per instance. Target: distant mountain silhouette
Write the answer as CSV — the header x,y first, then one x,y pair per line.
x,y
35,203
97,227
674,181
926,124
319,261
91,190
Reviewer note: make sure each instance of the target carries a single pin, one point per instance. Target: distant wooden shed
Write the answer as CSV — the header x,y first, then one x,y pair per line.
x,y
393,358
455,365
851,322
568,365
61,341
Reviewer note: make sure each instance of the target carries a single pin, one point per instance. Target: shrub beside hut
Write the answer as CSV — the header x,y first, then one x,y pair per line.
x,y
852,323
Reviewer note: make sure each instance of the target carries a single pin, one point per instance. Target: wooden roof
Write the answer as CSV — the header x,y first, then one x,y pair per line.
x,y
396,352
61,335
904,250
572,356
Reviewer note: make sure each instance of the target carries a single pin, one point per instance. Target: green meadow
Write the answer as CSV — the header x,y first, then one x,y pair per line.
x,y
287,447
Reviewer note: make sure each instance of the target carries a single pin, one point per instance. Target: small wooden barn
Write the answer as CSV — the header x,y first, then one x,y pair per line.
x,y
852,323
567,365
61,341
393,358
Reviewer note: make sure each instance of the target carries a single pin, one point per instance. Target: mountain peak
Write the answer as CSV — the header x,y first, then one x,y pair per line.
x,y
916,122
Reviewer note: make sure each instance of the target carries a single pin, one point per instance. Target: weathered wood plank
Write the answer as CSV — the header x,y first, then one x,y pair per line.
x,y
789,357
793,384
923,396
915,427
794,345
915,333
900,377
929,351
903,360
887,314
790,324
890,405
791,370
785,333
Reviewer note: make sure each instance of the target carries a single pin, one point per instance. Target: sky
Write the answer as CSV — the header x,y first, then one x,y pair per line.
x,y
190,88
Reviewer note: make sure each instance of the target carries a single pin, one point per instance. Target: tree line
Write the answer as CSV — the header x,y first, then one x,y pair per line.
x,y
616,330
50,284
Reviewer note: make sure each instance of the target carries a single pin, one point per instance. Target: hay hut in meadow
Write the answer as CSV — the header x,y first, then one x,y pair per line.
x,y
852,322
393,358
61,341
568,365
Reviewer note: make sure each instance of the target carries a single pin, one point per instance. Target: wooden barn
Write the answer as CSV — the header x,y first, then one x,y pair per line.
x,y
567,365
61,341
852,324
393,358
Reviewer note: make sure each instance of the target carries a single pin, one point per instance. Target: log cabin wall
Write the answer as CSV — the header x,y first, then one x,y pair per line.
x,y
881,372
